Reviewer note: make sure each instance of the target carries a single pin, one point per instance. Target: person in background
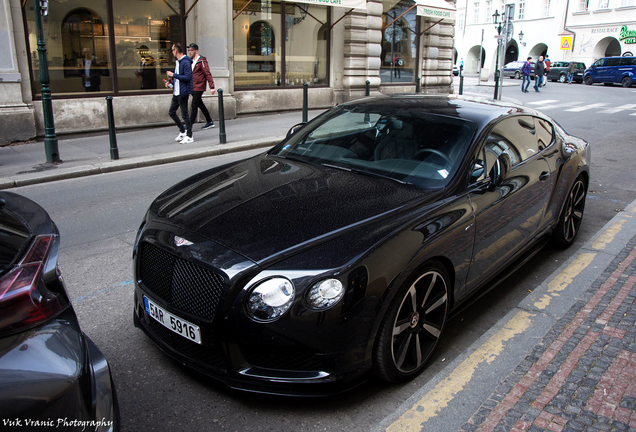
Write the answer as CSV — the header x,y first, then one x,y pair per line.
x,y
571,71
91,75
526,70
201,76
181,80
546,63
539,71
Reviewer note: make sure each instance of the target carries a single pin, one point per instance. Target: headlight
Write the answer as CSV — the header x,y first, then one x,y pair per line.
x,y
270,299
325,294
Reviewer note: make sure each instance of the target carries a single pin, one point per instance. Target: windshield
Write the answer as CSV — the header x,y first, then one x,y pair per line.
x,y
408,146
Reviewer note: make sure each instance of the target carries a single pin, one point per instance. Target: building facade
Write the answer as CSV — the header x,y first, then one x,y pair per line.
x,y
578,30
260,52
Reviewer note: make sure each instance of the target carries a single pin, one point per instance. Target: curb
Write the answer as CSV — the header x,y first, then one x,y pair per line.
x,y
62,173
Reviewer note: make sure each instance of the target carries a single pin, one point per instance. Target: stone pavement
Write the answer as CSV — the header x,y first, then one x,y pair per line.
x,y
582,376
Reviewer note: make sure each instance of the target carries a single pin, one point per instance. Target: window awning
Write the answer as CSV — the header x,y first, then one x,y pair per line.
x,y
436,9
350,4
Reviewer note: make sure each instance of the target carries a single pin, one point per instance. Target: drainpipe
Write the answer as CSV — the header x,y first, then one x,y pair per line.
x,y
565,25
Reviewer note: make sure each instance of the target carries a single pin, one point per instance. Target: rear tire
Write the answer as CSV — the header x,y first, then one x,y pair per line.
x,y
517,75
413,324
626,82
571,216
562,78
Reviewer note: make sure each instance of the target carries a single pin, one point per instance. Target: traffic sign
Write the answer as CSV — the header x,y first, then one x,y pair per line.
x,y
566,43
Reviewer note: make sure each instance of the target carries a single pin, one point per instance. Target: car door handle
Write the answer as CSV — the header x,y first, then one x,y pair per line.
x,y
544,176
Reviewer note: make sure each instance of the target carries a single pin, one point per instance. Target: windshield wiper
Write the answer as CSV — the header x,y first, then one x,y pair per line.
x,y
368,173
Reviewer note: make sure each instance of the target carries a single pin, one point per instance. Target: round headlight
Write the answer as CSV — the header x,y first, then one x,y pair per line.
x,y
270,299
325,294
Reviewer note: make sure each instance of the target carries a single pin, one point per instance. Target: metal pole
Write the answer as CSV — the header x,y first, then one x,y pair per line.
x,y
367,91
114,151
305,98
496,96
461,80
50,140
417,85
222,138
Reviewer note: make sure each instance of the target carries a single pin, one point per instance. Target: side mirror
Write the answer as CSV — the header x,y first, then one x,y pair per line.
x,y
500,170
294,128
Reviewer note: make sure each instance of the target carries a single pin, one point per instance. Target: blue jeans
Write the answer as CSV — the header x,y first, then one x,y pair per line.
x,y
570,76
537,82
525,83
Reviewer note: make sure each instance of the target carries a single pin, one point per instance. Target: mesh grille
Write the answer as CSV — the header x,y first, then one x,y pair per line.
x,y
185,285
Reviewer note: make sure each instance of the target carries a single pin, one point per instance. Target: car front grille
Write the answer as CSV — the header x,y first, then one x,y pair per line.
x,y
184,285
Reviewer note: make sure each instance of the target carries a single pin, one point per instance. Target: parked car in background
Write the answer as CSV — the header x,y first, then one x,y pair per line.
x,y
513,70
612,70
344,249
559,71
50,371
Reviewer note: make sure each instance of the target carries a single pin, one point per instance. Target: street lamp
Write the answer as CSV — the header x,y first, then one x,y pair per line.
x,y
498,26
521,38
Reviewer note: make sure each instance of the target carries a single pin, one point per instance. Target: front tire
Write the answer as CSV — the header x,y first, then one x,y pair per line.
x,y
413,324
589,80
571,216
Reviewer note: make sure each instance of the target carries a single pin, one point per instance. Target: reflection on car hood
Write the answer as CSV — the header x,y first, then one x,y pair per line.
x,y
266,205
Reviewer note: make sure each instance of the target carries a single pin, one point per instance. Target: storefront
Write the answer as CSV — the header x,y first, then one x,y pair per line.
x,y
261,52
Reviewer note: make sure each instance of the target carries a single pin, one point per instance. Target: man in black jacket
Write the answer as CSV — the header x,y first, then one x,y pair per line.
x,y
181,80
539,71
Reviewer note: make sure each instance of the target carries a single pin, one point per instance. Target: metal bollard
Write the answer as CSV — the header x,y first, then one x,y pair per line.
x,y
417,85
305,100
222,138
367,92
114,151
461,82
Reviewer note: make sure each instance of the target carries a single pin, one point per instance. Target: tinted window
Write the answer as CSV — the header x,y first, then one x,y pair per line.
x,y
515,136
612,61
580,65
598,63
628,61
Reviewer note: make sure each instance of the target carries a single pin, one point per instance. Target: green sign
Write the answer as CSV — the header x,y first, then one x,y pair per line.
x,y
628,36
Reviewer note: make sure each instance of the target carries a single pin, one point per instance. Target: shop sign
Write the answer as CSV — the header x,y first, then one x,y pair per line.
x,y
628,36
351,4
435,9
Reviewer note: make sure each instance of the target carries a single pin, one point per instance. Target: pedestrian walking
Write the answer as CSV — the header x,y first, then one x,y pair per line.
x,y
526,70
539,71
547,63
571,71
201,76
181,80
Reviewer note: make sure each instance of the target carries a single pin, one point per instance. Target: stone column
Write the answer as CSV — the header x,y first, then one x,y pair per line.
x,y
362,50
17,119
437,57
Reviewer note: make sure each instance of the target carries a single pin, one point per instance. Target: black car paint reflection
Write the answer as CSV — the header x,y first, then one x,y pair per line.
x,y
455,189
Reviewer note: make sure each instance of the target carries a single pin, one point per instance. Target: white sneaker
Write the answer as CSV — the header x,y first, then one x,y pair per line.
x,y
187,140
181,136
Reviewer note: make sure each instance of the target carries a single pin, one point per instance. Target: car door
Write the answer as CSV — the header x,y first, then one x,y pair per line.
x,y
507,216
611,71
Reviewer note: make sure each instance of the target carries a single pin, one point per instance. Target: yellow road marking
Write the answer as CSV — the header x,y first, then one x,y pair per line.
x,y
438,398
564,279
608,235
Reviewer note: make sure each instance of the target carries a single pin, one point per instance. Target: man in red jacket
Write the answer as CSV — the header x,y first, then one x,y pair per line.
x,y
200,75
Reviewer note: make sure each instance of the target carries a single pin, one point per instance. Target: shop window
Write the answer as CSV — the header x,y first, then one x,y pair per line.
x,y
279,44
399,42
81,58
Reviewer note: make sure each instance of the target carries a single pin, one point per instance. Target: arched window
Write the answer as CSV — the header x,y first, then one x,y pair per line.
x,y
261,40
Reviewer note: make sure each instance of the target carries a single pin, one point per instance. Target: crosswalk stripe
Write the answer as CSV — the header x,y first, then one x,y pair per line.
x,y
586,107
617,109
543,102
563,105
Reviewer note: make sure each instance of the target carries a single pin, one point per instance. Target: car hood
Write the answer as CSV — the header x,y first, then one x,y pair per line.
x,y
266,206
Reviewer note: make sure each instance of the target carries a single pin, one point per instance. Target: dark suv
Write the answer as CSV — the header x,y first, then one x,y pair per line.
x,y
559,71
610,70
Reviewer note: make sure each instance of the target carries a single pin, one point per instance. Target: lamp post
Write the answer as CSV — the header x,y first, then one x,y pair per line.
x,y
50,140
498,26
521,38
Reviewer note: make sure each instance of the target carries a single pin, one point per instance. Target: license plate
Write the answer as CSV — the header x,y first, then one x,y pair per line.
x,y
172,322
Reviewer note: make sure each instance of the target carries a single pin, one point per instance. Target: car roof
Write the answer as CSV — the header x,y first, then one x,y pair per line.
x,y
478,110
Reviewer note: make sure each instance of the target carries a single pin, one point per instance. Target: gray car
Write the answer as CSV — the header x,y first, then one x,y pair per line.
x,y
559,71
52,376
513,70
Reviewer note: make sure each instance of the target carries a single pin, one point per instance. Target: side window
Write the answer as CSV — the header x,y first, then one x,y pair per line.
x,y
628,61
515,136
612,61
598,63
545,132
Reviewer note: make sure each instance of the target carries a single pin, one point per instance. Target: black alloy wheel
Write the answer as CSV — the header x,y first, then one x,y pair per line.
x,y
626,82
413,324
571,216
563,78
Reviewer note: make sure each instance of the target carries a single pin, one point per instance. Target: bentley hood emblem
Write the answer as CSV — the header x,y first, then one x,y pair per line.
x,y
180,241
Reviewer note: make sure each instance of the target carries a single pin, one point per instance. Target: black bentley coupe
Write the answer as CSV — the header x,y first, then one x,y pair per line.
x,y
343,250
